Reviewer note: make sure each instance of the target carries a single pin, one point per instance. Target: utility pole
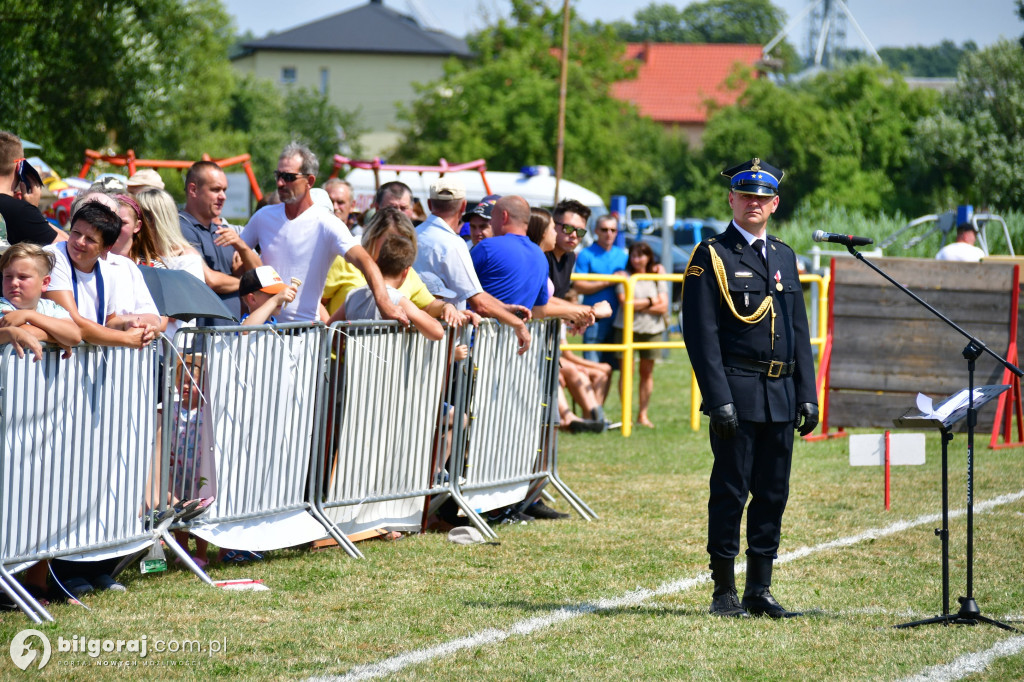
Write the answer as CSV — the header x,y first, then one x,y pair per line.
x,y
562,89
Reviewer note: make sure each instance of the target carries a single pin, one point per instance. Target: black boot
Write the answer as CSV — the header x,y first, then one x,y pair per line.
x,y
757,600
724,601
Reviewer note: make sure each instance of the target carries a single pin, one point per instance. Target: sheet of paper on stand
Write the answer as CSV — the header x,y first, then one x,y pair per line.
x,y
947,407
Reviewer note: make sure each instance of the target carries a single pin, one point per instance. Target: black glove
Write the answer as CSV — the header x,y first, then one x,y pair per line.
x,y
724,421
809,413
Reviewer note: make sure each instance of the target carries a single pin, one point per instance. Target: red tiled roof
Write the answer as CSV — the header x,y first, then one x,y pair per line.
x,y
674,82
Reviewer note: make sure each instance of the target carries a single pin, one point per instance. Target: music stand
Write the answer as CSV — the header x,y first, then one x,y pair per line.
x,y
969,612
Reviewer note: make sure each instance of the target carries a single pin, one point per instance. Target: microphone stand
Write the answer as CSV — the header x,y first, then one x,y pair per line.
x,y
969,613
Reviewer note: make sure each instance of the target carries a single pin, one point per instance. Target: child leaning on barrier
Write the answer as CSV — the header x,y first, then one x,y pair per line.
x,y
264,294
26,275
188,487
397,254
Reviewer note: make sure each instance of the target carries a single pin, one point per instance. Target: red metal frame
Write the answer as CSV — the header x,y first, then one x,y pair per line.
x,y
132,163
1009,403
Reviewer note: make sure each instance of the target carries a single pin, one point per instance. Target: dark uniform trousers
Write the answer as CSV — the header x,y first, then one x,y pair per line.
x,y
756,461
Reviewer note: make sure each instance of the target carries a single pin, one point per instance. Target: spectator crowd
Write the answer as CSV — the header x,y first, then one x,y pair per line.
x,y
308,256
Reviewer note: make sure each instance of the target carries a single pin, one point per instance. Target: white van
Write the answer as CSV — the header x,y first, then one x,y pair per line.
x,y
537,187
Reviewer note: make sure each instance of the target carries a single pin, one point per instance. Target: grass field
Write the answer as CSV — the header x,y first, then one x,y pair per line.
x,y
624,597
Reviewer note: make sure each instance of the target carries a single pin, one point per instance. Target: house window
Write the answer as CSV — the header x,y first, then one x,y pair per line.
x,y
288,74
323,80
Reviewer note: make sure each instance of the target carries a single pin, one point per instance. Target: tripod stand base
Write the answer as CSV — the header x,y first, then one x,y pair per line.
x,y
969,614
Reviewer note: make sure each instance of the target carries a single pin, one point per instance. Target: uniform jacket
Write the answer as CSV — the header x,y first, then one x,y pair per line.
x,y
713,334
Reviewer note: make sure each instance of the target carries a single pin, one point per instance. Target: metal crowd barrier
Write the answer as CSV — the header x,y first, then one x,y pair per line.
x,y
509,451
246,423
76,456
261,428
387,428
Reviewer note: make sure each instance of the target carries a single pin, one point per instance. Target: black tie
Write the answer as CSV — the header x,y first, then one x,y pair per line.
x,y
759,247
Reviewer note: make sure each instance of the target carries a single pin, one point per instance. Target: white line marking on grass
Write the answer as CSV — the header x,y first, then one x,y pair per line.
x,y
968,664
634,598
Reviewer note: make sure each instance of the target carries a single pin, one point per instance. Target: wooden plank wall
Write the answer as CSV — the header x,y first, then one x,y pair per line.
x,y
887,347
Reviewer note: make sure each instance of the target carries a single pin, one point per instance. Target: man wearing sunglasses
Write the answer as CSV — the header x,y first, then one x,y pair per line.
x,y
24,221
570,218
602,257
300,240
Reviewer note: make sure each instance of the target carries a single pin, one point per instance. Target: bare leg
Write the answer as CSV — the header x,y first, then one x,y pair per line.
x,y
579,386
646,389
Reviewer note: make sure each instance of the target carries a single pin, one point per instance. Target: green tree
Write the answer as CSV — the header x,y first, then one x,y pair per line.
x,y
971,151
263,119
96,73
843,137
656,23
503,107
939,61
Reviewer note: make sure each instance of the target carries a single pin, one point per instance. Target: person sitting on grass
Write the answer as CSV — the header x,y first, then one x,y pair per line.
x,y
189,488
397,254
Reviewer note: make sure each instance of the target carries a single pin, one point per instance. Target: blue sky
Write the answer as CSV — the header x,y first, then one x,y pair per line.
x,y
887,23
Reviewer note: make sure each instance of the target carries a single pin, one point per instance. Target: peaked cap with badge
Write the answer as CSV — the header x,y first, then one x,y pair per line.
x,y
754,177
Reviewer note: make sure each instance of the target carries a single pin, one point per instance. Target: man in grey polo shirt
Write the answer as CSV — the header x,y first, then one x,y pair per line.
x,y
205,191
441,251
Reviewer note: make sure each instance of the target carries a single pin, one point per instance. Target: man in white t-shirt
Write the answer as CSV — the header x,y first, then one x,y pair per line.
x,y
300,240
963,249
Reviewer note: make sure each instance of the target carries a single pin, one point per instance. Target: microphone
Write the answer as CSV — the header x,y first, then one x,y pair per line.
x,y
844,239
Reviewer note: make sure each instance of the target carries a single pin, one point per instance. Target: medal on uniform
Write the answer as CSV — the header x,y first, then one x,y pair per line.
x,y
778,281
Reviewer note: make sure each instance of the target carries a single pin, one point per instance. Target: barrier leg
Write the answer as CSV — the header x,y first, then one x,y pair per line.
x,y
185,557
339,537
578,505
474,518
20,596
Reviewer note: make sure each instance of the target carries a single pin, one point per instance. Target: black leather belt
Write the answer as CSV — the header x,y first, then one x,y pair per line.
x,y
774,369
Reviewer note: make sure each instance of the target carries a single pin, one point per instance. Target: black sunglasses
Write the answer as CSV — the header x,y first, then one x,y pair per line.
x,y
569,229
287,177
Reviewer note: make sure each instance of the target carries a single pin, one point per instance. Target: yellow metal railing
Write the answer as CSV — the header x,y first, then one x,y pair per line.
x,y
627,347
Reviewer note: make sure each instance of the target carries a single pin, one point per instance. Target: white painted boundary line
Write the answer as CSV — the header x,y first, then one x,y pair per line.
x,y
968,664
634,598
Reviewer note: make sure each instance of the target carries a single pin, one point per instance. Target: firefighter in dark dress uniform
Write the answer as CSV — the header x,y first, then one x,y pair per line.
x,y
747,337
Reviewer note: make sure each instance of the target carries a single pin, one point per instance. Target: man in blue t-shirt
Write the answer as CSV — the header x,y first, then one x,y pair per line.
x,y
514,270
601,258
511,268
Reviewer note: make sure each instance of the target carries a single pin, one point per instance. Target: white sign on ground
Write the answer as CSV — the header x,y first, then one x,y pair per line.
x,y
869,449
